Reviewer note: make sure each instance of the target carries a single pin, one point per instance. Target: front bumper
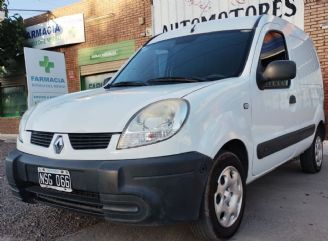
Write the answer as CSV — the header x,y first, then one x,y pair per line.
x,y
152,190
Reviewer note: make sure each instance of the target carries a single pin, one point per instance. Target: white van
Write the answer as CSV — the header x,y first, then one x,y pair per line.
x,y
175,136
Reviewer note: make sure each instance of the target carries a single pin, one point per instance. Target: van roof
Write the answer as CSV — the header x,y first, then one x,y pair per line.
x,y
239,23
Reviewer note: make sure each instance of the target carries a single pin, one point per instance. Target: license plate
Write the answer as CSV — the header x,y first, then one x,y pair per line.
x,y
59,180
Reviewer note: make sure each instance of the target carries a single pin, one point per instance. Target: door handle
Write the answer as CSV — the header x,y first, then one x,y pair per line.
x,y
292,99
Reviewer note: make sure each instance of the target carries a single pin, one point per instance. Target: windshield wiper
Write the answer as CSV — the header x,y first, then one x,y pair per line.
x,y
126,84
215,77
165,80
174,80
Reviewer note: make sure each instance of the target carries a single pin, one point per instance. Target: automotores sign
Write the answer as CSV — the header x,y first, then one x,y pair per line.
x,y
46,75
175,14
57,32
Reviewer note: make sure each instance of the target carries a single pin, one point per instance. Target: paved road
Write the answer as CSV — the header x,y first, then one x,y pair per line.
x,y
284,205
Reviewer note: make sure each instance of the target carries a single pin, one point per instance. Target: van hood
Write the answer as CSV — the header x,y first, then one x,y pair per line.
x,y
101,110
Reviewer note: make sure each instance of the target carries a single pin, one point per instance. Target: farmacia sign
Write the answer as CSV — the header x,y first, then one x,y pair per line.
x,y
44,31
57,32
46,75
174,14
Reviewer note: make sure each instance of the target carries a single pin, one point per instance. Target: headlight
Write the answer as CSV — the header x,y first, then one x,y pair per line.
x,y
156,122
22,123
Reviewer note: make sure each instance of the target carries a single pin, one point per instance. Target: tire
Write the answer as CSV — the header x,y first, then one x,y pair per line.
x,y
311,160
225,194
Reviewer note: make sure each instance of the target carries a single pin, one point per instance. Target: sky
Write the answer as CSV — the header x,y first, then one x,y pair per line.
x,y
36,5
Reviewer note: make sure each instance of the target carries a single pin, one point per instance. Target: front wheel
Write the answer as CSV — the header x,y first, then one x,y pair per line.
x,y
224,199
312,158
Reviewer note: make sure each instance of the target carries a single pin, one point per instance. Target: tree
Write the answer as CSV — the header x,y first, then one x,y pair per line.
x,y
4,5
12,38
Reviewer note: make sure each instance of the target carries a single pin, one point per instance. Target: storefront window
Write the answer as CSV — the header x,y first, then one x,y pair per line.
x,y
13,101
13,90
95,81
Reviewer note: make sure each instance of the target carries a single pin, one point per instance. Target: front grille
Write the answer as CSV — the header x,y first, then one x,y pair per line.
x,y
87,202
75,195
89,140
41,138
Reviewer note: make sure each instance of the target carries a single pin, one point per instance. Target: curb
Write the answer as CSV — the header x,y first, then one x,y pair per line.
x,y
8,138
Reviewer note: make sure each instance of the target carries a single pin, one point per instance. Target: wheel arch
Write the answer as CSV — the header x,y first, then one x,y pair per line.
x,y
238,147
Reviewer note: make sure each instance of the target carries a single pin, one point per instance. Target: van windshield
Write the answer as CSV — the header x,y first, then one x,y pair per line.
x,y
193,58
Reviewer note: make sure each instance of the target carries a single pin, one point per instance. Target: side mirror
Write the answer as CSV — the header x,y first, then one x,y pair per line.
x,y
279,70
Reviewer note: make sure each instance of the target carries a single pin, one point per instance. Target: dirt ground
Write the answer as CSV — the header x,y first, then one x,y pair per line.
x,y
21,221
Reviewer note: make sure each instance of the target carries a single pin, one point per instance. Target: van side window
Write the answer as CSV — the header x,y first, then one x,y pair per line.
x,y
274,48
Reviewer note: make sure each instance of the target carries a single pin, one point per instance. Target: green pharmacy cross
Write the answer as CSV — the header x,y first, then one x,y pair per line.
x,y
46,64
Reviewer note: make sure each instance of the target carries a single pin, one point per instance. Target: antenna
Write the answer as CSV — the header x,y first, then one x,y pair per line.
x,y
193,28
201,15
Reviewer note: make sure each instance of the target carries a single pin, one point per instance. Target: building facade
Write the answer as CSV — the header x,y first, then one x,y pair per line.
x,y
114,30
316,25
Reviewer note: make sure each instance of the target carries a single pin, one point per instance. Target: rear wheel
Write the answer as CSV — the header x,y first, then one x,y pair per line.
x,y
224,199
312,158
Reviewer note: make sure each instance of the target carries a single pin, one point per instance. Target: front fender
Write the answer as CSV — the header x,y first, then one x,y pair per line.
x,y
219,114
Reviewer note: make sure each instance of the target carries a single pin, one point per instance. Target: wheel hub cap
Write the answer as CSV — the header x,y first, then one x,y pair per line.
x,y
228,197
318,151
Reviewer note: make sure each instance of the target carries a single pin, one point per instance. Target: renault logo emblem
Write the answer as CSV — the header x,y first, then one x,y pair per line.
x,y
59,144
